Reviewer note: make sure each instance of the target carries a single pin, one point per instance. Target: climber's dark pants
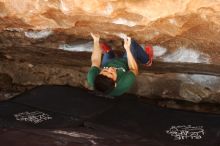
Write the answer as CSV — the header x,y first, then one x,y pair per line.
x,y
136,50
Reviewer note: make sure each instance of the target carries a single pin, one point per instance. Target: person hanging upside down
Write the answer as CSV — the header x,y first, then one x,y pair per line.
x,y
115,76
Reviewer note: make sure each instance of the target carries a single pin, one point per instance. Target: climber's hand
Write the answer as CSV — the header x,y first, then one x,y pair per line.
x,y
127,43
95,37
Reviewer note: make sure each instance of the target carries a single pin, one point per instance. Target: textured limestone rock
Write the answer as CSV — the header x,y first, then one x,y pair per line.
x,y
5,81
23,67
40,13
177,25
195,88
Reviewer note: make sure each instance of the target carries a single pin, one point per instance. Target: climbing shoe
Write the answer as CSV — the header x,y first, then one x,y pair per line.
x,y
150,53
105,47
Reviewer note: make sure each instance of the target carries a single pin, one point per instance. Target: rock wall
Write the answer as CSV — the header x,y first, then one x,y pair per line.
x,y
176,25
34,65
62,13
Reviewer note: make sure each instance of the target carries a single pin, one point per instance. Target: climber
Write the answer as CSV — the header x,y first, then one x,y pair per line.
x,y
114,76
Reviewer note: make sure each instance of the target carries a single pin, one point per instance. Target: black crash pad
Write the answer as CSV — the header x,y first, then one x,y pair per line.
x,y
14,115
169,126
71,107
66,100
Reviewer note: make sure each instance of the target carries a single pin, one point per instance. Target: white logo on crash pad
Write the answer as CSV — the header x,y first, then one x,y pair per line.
x,y
35,117
186,132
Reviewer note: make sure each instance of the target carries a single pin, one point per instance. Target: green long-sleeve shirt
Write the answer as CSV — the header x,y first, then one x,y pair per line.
x,y
125,78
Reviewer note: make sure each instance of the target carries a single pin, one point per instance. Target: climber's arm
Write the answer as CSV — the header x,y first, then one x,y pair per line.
x,y
132,64
97,52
